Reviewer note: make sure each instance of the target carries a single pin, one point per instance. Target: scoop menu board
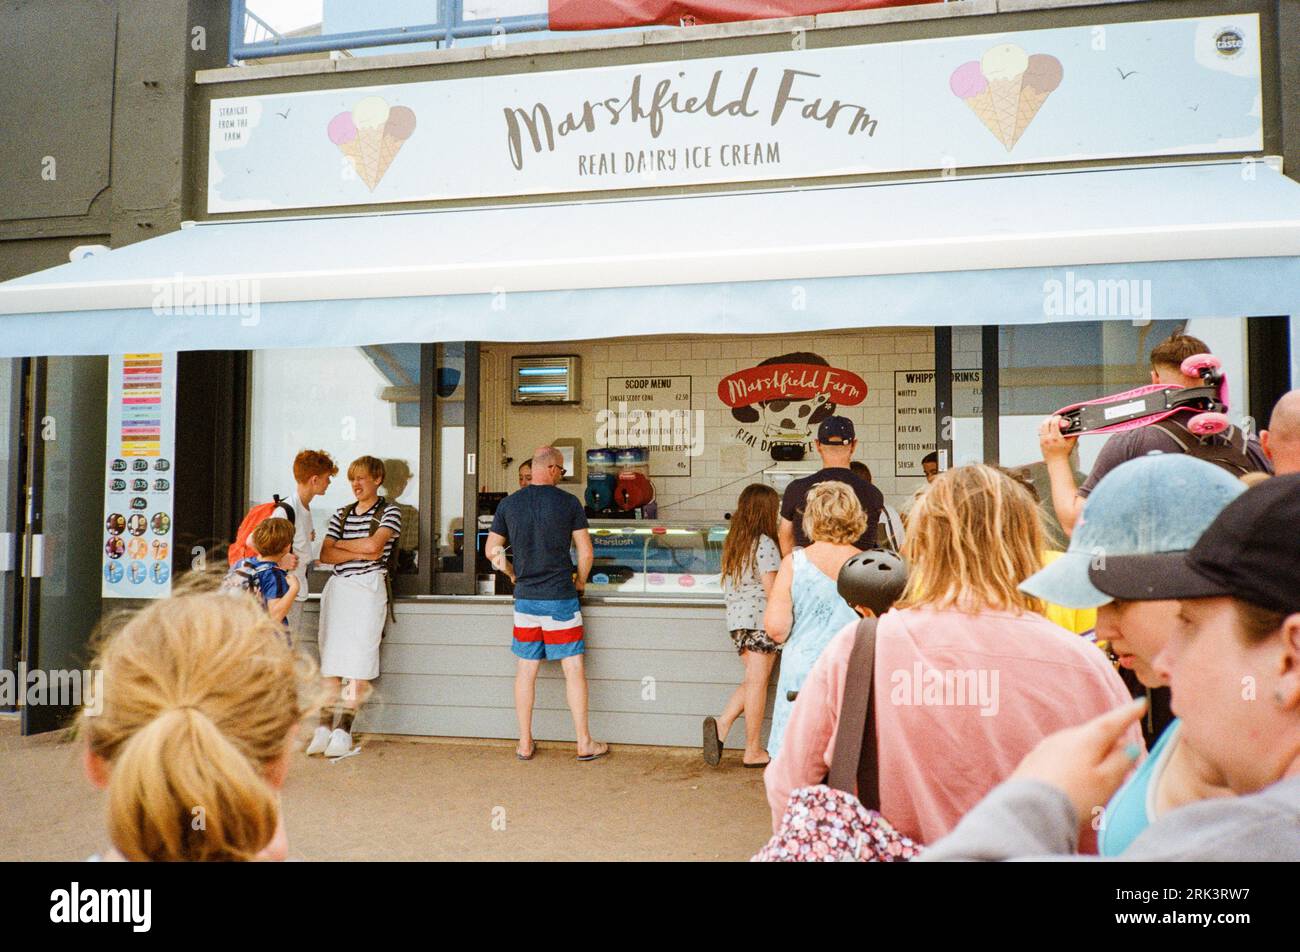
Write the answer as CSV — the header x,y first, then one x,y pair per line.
x,y
139,475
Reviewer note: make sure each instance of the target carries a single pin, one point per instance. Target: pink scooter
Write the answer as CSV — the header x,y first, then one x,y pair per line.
x,y
1143,406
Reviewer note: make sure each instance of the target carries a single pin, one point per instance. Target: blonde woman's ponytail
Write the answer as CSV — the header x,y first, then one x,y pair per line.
x,y
179,790
201,700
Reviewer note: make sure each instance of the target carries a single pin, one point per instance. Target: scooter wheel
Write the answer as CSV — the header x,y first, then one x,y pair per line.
x,y
1069,424
1196,364
1207,424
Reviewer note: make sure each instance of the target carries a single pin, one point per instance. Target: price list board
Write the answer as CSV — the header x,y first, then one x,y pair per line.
x,y
139,476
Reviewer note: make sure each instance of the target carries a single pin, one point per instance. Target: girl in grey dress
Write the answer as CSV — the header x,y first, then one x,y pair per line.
x,y
750,559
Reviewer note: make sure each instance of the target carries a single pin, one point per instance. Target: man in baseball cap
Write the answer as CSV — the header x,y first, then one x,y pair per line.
x,y
836,431
1233,663
836,441
1233,660
1153,504
1157,503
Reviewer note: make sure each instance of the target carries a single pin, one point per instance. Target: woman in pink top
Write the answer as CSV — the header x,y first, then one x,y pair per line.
x,y
968,676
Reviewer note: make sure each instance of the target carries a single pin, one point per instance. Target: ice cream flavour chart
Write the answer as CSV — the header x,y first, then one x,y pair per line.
x,y
139,473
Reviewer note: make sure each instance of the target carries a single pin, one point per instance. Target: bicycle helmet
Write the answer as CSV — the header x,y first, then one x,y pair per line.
x,y
873,579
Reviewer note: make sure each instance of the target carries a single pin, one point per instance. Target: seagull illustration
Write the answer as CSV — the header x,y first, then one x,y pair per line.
x,y
1124,75
285,114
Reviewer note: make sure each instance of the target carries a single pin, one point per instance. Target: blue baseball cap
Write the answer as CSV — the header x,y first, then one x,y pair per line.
x,y
1162,502
1251,552
836,430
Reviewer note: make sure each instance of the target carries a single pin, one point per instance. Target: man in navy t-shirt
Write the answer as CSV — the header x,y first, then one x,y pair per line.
x,y
540,523
836,441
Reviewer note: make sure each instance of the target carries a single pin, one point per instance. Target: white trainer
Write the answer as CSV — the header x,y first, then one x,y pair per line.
x,y
319,741
340,743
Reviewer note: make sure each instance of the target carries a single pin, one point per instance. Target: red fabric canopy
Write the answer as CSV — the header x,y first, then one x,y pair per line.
x,y
607,14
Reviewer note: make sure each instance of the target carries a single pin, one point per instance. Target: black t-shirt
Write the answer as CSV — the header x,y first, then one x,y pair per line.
x,y
872,499
539,522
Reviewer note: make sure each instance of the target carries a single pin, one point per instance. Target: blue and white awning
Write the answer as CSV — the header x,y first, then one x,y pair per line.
x,y
1148,243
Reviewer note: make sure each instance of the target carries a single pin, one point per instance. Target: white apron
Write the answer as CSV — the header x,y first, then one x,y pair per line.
x,y
353,610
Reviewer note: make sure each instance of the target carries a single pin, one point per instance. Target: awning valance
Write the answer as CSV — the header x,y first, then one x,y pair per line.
x,y
1138,243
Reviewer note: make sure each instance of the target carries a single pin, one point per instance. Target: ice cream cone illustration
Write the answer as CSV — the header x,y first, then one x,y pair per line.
x,y
1040,80
1004,67
968,84
371,135
1006,88
397,129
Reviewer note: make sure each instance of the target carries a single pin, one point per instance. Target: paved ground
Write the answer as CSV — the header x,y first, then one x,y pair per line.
x,y
410,800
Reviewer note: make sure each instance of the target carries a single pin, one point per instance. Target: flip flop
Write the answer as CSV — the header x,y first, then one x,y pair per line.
x,y
531,754
712,742
599,753
759,766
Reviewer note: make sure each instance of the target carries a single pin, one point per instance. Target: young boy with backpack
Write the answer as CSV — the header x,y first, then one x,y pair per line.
x,y
312,472
266,573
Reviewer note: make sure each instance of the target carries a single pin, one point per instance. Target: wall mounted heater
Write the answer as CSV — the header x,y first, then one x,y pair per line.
x,y
550,379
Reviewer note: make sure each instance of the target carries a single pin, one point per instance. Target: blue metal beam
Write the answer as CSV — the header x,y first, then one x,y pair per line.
x,y
512,25
451,27
236,29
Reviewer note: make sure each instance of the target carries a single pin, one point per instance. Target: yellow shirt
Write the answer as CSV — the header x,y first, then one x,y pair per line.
x,y
1077,620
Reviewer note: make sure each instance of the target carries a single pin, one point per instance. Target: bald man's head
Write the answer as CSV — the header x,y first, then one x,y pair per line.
x,y
547,464
1281,441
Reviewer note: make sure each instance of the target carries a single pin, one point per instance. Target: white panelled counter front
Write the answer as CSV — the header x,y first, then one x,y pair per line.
x,y
655,668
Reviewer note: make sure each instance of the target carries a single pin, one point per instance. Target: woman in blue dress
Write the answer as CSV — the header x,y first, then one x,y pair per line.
x,y
805,611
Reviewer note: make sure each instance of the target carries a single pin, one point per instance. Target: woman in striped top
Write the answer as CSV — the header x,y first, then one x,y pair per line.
x,y
354,606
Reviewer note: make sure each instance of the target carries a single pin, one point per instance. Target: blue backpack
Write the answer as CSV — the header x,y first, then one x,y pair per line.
x,y
245,576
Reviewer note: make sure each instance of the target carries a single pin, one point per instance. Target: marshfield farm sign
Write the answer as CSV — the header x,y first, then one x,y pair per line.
x,y
1168,87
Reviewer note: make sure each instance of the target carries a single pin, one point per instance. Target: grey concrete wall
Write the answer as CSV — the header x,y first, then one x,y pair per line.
x,y
93,111
446,670
94,101
1288,84
19,256
55,110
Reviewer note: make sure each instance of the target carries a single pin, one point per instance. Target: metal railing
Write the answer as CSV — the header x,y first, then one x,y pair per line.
x,y
450,26
262,32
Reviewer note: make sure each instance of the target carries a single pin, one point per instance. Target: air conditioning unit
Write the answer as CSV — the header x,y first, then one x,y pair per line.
x,y
549,379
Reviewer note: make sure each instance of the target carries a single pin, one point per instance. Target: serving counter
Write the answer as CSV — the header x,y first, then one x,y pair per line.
x,y
656,665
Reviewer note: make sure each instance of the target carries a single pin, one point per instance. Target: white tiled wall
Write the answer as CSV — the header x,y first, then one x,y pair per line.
x,y
720,473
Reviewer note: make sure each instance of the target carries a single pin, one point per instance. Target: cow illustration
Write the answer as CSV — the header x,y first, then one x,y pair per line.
x,y
785,422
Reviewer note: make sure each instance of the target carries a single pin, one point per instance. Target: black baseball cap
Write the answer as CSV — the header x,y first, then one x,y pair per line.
x,y
836,429
1250,552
